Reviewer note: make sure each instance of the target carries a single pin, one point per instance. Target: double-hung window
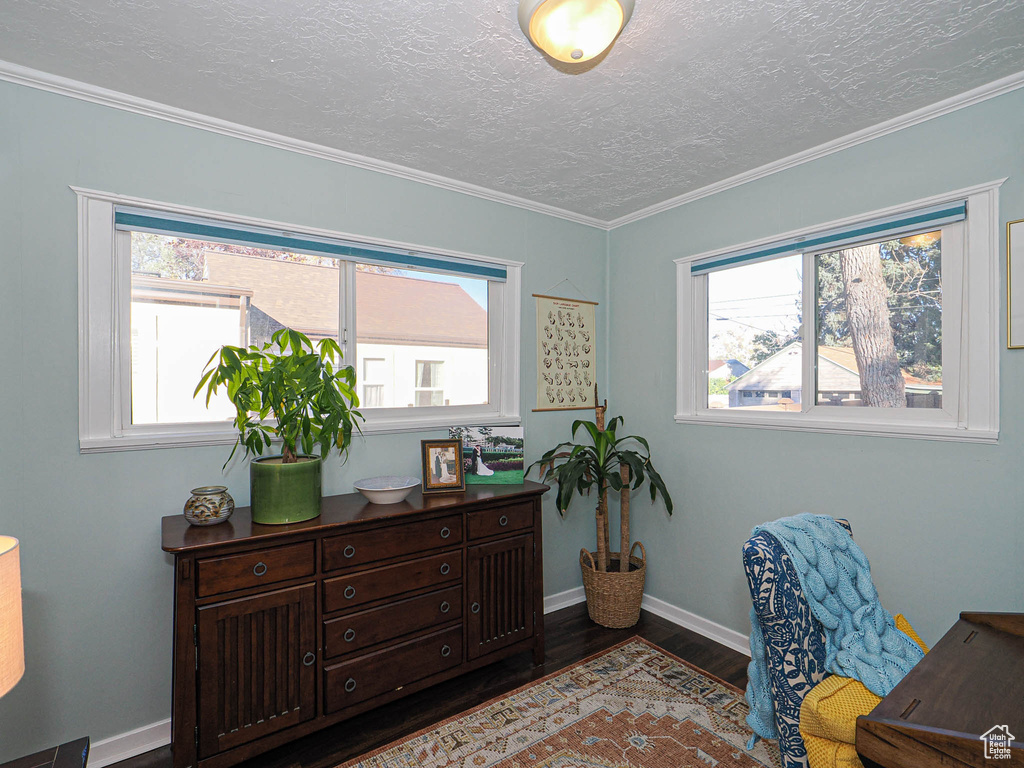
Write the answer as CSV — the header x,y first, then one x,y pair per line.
x,y
883,324
433,336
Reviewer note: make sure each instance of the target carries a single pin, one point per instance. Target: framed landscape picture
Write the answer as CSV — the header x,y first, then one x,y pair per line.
x,y
491,455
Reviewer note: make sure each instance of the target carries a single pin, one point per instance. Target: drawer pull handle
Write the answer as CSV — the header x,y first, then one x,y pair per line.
x,y
349,551
350,685
260,568
503,521
475,608
445,607
308,659
350,592
445,532
445,568
350,635
445,651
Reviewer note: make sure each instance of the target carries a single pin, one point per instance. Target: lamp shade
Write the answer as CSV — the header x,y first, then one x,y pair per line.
x,y
573,31
12,643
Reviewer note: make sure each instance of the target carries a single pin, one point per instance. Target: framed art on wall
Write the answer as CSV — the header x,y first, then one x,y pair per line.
x,y
1015,284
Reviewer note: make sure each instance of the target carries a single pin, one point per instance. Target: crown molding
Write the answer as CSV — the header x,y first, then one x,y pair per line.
x,y
952,104
15,73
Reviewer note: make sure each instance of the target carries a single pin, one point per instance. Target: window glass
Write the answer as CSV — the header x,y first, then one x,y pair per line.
x,y
879,313
189,297
754,349
426,335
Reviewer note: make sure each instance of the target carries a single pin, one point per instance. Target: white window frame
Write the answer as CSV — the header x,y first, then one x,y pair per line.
x,y
970,348
104,348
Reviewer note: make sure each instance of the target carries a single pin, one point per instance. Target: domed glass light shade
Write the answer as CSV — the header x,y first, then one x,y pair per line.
x,y
573,31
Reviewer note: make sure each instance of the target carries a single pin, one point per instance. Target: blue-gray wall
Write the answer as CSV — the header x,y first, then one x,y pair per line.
x,y
941,523
97,587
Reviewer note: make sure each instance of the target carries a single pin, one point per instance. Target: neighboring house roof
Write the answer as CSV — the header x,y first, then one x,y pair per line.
x,y
837,372
781,371
725,369
845,357
392,309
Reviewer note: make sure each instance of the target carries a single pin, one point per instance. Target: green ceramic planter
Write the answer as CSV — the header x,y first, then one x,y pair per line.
x,y
284,493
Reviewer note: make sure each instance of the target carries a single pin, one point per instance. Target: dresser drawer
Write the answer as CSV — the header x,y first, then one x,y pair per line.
x,y
360,630
494,522
366,586
351,682
384,543
253,569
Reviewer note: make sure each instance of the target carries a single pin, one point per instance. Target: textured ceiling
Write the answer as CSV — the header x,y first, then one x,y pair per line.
x,y
693,92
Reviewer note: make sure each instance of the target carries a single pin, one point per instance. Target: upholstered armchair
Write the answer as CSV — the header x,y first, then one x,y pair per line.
x,y
793,638
795,646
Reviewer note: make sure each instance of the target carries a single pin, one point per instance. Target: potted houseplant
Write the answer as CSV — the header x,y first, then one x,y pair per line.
x,y
613,581
291,391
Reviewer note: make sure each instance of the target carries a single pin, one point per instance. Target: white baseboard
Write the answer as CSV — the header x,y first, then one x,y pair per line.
x,y
125,745
561,600
730,638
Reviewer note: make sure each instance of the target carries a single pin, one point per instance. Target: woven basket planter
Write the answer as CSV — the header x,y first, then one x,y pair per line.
x,y
613,598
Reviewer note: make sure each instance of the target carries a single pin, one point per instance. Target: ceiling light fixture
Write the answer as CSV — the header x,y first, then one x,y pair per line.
x,y
573,31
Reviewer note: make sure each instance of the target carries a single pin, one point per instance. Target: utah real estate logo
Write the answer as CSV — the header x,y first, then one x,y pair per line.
x,y
997,742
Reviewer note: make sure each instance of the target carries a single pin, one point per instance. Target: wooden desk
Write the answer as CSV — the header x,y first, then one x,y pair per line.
x,y
74,754
971,682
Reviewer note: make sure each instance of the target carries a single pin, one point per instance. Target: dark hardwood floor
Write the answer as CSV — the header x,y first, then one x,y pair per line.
x,y
570,637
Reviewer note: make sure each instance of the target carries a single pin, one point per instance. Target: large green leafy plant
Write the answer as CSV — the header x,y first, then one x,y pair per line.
x,y
287,389
607,461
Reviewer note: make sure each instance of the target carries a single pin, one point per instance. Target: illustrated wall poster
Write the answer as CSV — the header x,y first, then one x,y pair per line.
x,y
491,455
566,357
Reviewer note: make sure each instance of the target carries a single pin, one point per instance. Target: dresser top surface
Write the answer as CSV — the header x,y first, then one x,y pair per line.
x,y
178,536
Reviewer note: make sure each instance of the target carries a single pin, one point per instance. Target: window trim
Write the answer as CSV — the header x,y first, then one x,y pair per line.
x,y
102,314
976,376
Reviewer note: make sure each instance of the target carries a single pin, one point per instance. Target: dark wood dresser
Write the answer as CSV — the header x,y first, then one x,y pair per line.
x,y
283,630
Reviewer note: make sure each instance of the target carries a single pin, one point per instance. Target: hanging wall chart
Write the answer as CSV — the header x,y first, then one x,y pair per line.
x,y
566,359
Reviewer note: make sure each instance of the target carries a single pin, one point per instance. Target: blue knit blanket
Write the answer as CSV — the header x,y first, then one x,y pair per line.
x,y
861,638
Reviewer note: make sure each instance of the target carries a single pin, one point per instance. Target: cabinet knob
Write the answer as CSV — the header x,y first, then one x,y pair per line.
x,y
503,521
349,551
445,532
259,569
350,592
350,685
446,651
445,569
308,659
445,607
475,607
350,635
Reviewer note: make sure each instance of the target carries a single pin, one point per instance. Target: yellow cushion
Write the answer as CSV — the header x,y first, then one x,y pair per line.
x,y
823,753
830,709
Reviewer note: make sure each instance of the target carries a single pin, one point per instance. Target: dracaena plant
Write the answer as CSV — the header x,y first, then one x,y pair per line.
x,y
287,389
622,464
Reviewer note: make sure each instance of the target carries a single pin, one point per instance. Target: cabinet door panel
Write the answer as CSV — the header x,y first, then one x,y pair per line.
x,y
257,670
499,593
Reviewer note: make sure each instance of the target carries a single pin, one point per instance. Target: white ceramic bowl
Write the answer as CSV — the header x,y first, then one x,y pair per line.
x,y
386,489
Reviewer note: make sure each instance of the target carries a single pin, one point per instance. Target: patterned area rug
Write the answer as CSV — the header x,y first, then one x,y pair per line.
x,y
634,706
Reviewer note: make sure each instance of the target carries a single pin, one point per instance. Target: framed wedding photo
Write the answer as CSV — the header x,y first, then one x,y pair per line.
x,y
442,466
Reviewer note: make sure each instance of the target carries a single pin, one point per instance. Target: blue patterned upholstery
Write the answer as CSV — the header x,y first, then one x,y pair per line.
x,y
793,638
